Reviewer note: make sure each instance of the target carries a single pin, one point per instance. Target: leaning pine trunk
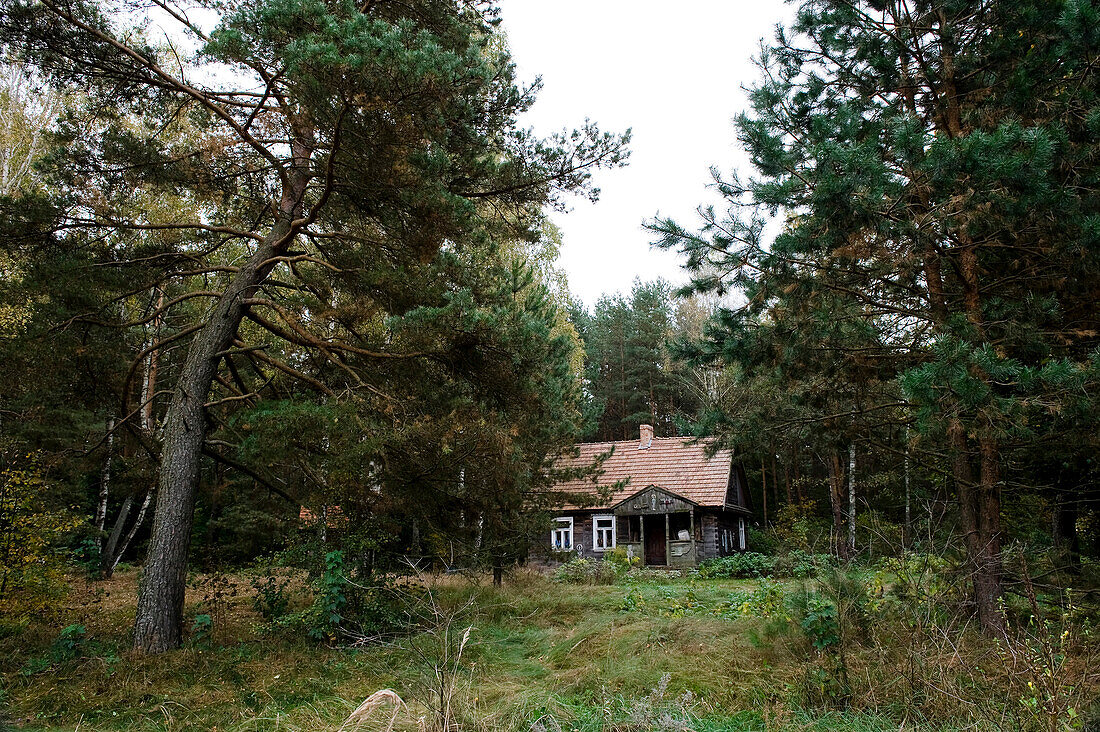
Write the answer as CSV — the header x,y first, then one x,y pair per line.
x,y
159,623
109,557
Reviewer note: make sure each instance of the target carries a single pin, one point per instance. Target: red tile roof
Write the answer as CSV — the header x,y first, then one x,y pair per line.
x,y
335,517
679,465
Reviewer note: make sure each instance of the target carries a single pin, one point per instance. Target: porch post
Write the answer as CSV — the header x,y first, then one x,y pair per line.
x,y
691,519
668,542
641,534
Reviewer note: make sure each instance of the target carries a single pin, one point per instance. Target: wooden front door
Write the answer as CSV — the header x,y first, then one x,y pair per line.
x,y
655,540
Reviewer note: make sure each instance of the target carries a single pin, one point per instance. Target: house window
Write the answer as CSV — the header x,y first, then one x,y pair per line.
x,y
603,533
561,537
741,533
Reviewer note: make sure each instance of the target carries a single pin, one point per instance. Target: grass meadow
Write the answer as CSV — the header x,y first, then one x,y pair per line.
x,y
655,653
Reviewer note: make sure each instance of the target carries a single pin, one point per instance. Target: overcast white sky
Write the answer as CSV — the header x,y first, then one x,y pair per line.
x,y
671,71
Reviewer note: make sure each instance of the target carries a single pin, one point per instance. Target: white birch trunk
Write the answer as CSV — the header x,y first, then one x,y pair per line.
x,y
104,488
852,499
908,525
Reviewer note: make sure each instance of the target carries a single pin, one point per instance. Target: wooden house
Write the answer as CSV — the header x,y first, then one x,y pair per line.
x,y
664,500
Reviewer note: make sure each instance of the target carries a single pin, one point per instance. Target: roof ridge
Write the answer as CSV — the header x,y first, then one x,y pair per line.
x,y
685,439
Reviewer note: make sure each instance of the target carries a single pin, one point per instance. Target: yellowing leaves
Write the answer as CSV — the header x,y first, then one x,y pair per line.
x,y
30,568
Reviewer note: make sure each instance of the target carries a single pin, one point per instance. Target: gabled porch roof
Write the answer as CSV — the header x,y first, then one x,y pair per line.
x,y
652,499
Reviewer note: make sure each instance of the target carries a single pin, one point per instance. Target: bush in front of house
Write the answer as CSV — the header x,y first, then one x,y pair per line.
x,y
622,561
581,571
614,567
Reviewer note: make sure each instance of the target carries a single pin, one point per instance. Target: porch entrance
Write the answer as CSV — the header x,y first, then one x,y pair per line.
x,y
655,541
658,528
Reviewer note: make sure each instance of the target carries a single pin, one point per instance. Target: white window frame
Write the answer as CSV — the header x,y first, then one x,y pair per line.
x,y
599,537
563,529
741,533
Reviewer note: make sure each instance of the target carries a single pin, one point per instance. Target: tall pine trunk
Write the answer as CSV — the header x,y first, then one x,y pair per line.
x,y
980,510
979,501
1064,530
159,623
764,491
907,527
987,564
989,581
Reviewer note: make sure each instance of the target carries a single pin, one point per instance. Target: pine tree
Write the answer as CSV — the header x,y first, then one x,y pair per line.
x,y
632,377
336,142
935,160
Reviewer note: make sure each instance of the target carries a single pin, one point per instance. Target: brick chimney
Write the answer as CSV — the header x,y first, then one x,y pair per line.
x,y
646,438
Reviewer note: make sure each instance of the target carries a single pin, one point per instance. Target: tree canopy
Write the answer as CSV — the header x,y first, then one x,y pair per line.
x,y
299,196
933,164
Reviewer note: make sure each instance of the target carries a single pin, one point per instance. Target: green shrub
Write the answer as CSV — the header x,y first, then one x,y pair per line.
x,y
826,618
820,622
68,643
799,525
202,629
676,605
914,583
348,603
588,572
632,601
753,565
34,525
768,600
85,555
800,564
68,646
272,600
621,560
762,542
329,599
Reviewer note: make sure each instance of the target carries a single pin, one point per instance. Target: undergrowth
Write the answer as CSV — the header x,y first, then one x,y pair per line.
x,y
836,652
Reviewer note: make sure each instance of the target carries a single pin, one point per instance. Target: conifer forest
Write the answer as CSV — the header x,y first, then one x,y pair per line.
x,y
303,428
